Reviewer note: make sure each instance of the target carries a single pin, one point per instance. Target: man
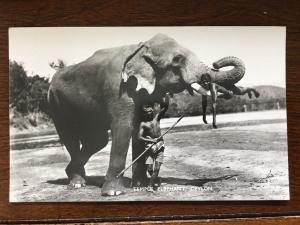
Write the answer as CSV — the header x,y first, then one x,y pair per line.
x,y
207,85
150,134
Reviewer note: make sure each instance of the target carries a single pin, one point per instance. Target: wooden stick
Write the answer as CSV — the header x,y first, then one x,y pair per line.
x,y
170,128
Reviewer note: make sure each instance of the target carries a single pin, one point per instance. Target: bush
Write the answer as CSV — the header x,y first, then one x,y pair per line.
x,y
28,108
27,94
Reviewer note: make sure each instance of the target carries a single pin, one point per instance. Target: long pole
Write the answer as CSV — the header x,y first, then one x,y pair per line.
x,y
170,128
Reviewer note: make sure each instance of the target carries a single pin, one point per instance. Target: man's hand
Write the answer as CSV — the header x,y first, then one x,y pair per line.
x,y
158,139
151,140
230,93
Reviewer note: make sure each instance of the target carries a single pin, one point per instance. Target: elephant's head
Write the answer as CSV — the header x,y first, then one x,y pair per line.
x,y
163,65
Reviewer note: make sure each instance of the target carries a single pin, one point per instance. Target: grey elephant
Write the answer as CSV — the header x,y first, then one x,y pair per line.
x,y
90,98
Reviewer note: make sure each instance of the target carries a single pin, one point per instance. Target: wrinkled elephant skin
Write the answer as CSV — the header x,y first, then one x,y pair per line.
x,y
89,98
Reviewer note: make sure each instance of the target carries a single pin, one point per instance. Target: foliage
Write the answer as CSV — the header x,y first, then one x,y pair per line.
x,y
271,98
27,94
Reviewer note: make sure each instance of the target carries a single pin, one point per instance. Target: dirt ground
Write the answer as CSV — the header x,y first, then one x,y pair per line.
x,y
237,162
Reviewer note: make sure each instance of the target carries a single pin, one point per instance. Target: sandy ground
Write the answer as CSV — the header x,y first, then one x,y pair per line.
x,y
244,160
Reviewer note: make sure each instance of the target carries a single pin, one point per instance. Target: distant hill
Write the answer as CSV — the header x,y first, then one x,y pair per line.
x,y
271,97
271,92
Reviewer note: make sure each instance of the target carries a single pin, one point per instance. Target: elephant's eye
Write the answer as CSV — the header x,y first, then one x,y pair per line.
x,y
178,60
176,70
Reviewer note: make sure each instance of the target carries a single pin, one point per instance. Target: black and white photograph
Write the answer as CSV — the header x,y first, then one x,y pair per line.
x,y
100,114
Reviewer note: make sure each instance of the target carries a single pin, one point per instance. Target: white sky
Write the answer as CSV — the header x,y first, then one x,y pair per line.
x,y
261,48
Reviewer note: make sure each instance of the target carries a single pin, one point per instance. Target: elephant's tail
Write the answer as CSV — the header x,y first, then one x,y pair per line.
x,y
231,76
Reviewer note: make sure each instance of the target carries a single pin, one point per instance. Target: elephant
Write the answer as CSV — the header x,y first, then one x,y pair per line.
x,y
105,92
223,82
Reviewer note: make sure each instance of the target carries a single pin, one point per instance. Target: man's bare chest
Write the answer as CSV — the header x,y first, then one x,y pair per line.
x,y
152,126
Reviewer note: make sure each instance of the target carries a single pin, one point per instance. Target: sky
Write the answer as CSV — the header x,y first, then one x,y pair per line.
x,y
261,48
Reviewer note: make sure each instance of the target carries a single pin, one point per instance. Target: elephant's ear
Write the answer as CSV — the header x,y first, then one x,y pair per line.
x,y
142,68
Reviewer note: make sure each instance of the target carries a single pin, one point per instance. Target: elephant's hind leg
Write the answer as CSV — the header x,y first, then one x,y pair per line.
x,y
68,135
91,142
74,171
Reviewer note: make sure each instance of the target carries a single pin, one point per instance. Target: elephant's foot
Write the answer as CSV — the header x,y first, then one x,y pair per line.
x,y
139,175
141,181
76,176
113,187
77,181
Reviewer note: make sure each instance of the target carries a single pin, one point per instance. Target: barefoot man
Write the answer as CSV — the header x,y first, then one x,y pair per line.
x,y
149,133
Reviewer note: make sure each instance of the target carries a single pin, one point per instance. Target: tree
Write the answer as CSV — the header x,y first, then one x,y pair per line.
x,y
17,81
27,94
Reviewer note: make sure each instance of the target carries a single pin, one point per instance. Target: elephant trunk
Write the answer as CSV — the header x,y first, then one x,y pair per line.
x,y
195,70
231,76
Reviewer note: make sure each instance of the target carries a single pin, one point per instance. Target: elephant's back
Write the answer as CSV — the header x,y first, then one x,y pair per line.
x,y
88,83
103,61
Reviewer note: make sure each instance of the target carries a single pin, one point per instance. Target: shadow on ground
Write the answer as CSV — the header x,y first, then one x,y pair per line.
x,y
98,181
195,182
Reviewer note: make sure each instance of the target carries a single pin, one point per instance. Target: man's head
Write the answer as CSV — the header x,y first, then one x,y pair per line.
x,y
205,80
148,111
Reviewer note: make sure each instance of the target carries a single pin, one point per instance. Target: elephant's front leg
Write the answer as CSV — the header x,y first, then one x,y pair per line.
x,y
121,130
139,169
